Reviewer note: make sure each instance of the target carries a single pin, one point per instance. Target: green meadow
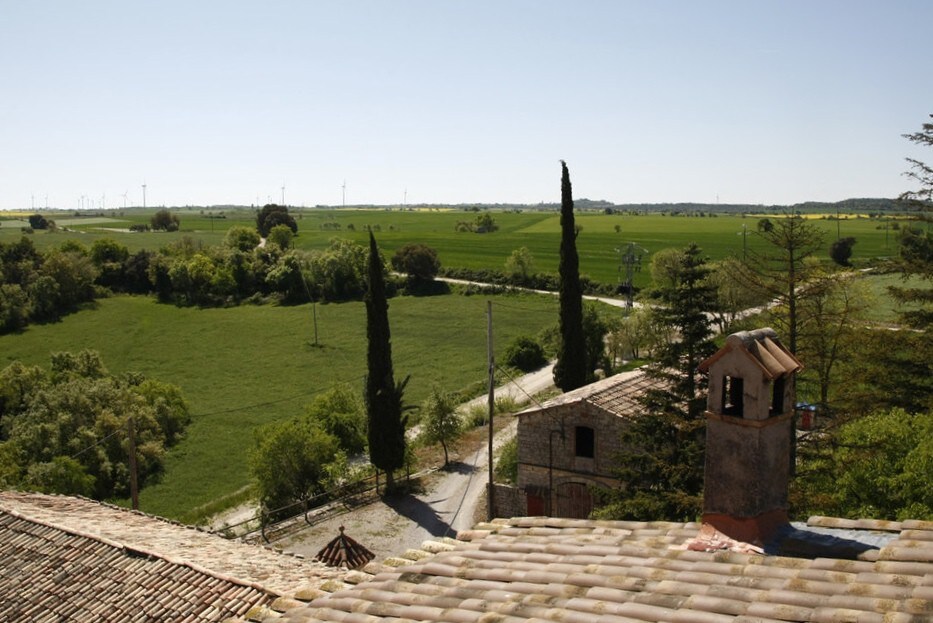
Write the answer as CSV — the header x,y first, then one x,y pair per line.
x,y
242,367
598,243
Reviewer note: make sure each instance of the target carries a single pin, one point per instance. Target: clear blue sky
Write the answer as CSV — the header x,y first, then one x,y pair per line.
x,y
459,101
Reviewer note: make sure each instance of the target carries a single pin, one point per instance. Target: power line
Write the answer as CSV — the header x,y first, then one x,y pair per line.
x,y
91,447
526,309
522,389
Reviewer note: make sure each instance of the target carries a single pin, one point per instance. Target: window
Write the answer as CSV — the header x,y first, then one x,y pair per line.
x,y
777,399
732,396
584,442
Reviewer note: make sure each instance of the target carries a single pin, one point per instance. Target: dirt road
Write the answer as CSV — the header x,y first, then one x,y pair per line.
x,y
450,502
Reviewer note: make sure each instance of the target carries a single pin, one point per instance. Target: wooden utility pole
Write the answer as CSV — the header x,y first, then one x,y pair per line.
x,y
491,495
134,488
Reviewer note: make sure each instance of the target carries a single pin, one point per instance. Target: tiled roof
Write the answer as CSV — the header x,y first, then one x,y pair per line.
x,y
619,394
72,559
550,569
344,552
51,574
247,563
764,348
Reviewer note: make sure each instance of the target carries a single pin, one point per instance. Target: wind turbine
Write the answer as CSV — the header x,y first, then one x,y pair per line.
x,y
283,193
344,189
144,195
125,192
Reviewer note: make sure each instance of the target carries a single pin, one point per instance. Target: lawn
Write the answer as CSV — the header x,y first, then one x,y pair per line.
x,y
884,308
242,367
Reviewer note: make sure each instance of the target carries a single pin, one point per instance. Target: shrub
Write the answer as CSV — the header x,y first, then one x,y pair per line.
x,y
418,261
525,354
507,466
841,250
164,220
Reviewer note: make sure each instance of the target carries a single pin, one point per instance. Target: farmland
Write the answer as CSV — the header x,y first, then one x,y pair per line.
x,y
246,366
598,243
242,367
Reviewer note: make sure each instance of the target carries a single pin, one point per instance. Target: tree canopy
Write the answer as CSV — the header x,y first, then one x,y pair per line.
x,y
876,466
271,215
418,261
163,220
65,429
294,461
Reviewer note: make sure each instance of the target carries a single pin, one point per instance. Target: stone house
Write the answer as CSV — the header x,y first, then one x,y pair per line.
x,y
569,445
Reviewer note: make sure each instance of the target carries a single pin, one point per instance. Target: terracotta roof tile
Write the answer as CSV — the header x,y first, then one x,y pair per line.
x,y
150,535
619,395
52,574
577,570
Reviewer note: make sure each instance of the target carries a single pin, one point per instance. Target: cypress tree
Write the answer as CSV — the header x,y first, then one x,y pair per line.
x,y
383,397
570,371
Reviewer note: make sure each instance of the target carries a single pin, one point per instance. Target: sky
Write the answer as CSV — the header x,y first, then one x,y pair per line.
x,y
450,101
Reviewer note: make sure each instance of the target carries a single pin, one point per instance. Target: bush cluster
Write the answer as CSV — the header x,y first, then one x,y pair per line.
x,y
65,429
43,286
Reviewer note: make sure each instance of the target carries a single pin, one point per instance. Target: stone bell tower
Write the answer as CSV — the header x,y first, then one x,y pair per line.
x,y
749,435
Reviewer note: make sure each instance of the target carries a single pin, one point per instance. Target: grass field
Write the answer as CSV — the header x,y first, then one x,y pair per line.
x,y
884,308
597,244
243,367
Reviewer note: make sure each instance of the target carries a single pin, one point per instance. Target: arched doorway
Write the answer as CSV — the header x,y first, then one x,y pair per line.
x,y
574,500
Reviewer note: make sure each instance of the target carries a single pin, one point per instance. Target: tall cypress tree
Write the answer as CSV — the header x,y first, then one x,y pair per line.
x,y
570,371
383,396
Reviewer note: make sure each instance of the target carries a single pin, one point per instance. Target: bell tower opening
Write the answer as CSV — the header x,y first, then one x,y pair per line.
x,y
733,401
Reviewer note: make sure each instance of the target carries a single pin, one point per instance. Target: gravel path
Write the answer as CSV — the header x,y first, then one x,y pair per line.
x,y
451,500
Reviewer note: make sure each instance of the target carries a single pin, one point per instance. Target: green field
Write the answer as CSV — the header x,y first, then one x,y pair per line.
x,y
598,243
884,307
246,366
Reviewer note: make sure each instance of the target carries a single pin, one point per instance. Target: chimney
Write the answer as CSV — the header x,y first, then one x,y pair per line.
x,y
749,435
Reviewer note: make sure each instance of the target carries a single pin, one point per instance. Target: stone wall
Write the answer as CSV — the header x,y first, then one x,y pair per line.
x,y
546,443
510,501
547,460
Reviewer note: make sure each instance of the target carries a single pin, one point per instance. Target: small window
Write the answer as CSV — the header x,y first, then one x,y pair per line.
x,y
777,399
733,401
585,442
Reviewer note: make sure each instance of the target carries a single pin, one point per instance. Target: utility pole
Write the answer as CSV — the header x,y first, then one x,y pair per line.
x,y
134,488
630,257
744,242
490,494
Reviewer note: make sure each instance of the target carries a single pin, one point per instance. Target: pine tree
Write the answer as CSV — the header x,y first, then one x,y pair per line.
x,y
383,396
915,255
780,271
570,371
661,469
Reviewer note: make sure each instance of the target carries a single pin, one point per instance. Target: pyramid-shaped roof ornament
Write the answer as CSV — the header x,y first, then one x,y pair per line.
x,y
344,552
